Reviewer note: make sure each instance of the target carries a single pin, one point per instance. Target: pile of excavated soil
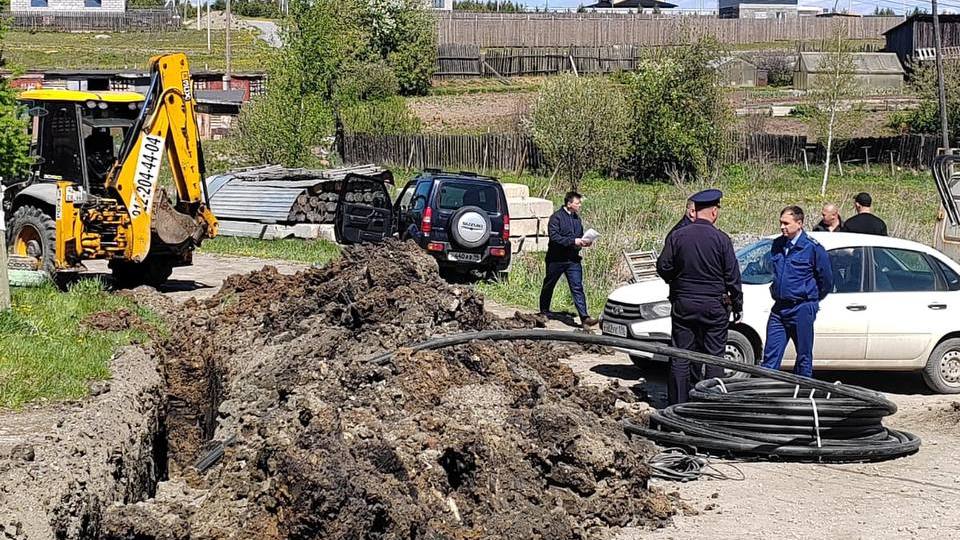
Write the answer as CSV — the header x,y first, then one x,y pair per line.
x,y
486,440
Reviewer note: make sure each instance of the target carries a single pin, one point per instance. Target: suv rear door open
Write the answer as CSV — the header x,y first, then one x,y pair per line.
x,y
364,210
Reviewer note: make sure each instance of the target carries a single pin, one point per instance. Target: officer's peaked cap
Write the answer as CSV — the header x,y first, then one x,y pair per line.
x,y
706,198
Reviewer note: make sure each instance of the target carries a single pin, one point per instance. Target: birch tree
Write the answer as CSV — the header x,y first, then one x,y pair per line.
x,y
832,117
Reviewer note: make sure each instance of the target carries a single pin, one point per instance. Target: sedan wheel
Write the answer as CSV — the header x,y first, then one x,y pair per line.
x,y
942,372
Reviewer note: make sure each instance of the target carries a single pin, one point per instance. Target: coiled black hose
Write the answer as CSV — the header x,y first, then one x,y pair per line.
x,y
775,415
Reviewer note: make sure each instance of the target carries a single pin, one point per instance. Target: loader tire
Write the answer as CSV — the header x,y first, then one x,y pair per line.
x,y
31,232
153,272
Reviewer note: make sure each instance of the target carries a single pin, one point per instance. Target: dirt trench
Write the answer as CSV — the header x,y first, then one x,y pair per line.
x,y
480,441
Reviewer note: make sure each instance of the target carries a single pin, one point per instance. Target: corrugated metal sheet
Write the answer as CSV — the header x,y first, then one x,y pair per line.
x,y
267,194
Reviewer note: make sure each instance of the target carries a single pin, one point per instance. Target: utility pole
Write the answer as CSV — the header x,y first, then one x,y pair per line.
x,y
209,45
198,14
226,76
941,91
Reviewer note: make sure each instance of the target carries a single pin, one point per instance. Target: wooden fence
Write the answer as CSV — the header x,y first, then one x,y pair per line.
x,y
600,29
456,60
134,20
493,152
500,152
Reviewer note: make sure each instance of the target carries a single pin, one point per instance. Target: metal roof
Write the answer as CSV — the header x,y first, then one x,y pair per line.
x,y
873,63
267,194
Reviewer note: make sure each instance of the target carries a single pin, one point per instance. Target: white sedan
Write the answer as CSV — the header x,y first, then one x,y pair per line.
x,y
894,307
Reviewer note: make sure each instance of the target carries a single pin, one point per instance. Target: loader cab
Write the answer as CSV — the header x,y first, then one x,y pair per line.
x,y
76,136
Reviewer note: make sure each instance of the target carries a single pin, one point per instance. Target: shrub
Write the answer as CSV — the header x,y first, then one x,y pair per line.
x,y
926,117
580,124
680,116
779,69
370,81
389,116
14,141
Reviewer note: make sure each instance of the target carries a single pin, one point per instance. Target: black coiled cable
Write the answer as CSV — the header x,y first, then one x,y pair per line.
x,y
775,415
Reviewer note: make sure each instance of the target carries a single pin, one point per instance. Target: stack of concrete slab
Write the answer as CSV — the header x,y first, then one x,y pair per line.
x,y
529,217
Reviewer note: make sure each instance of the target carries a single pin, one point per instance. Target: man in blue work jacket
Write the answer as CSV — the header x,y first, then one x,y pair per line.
x,y
802,276
563,257
699,264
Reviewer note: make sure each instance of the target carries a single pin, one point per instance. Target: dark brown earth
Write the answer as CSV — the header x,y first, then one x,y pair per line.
x,y
113,321
480,441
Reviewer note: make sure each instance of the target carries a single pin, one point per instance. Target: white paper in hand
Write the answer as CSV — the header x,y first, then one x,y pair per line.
x,y
591,235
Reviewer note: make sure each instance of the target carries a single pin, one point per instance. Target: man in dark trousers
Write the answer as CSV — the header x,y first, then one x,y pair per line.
x,y
802,277
689,215
864,222
563,257
699,264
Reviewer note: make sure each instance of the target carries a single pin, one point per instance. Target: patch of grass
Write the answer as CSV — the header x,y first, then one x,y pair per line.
x,y
46,354
288,249
633,216
455,87
64,50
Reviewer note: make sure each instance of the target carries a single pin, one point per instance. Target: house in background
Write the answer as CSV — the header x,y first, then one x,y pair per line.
x,y
764,9
68,6
628,6
874,72
912,40
440,5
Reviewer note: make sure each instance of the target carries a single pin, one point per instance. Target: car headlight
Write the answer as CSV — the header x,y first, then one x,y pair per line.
x,y
656,310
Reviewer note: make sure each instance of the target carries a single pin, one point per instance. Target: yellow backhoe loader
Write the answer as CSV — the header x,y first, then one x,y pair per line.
x,y
92,191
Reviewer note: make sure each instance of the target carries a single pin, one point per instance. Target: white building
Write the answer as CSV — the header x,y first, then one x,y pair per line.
x,y
440,5
72,6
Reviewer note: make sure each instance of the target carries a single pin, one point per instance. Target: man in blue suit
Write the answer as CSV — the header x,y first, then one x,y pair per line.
x,y
802,277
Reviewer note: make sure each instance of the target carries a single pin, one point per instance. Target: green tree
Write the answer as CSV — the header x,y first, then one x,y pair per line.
x,y
14,141
830,116
680,116
338,54
580,125
926,117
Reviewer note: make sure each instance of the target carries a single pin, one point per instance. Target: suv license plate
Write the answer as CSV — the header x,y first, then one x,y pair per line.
x,y
465,257
615,329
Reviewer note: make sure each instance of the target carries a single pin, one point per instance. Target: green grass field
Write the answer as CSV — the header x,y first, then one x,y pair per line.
x,y
54,50
45,351
638,216
291,249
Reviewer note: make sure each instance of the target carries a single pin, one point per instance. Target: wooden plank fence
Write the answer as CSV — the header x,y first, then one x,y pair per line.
x,y
497,151
460,60
486,152
134,20
599,29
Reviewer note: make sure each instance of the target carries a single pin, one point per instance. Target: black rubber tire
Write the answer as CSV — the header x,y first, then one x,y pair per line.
x,y
746,353
153,272
40,227
455,232
933,374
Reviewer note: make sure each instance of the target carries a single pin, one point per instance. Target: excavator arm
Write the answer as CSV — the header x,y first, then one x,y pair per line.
x,y
166,124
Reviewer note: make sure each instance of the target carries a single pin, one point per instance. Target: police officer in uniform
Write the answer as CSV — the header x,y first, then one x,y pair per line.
x,y
699,264
689,215
802,276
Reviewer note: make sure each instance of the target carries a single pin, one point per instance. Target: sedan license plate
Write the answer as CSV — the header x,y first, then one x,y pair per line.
x,y
615,329
463,257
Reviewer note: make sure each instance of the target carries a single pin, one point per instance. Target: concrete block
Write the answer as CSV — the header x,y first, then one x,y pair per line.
x,y
528,244
515,191
313,231
241,228
529,226
526,207
780,111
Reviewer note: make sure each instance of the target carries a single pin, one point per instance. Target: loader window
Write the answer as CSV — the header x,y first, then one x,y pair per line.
x,y
60,142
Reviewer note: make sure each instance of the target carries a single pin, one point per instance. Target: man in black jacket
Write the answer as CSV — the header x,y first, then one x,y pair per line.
x,y
563,257
864,222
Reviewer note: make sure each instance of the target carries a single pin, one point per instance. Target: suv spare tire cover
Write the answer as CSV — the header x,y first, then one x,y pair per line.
x,y
470,226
